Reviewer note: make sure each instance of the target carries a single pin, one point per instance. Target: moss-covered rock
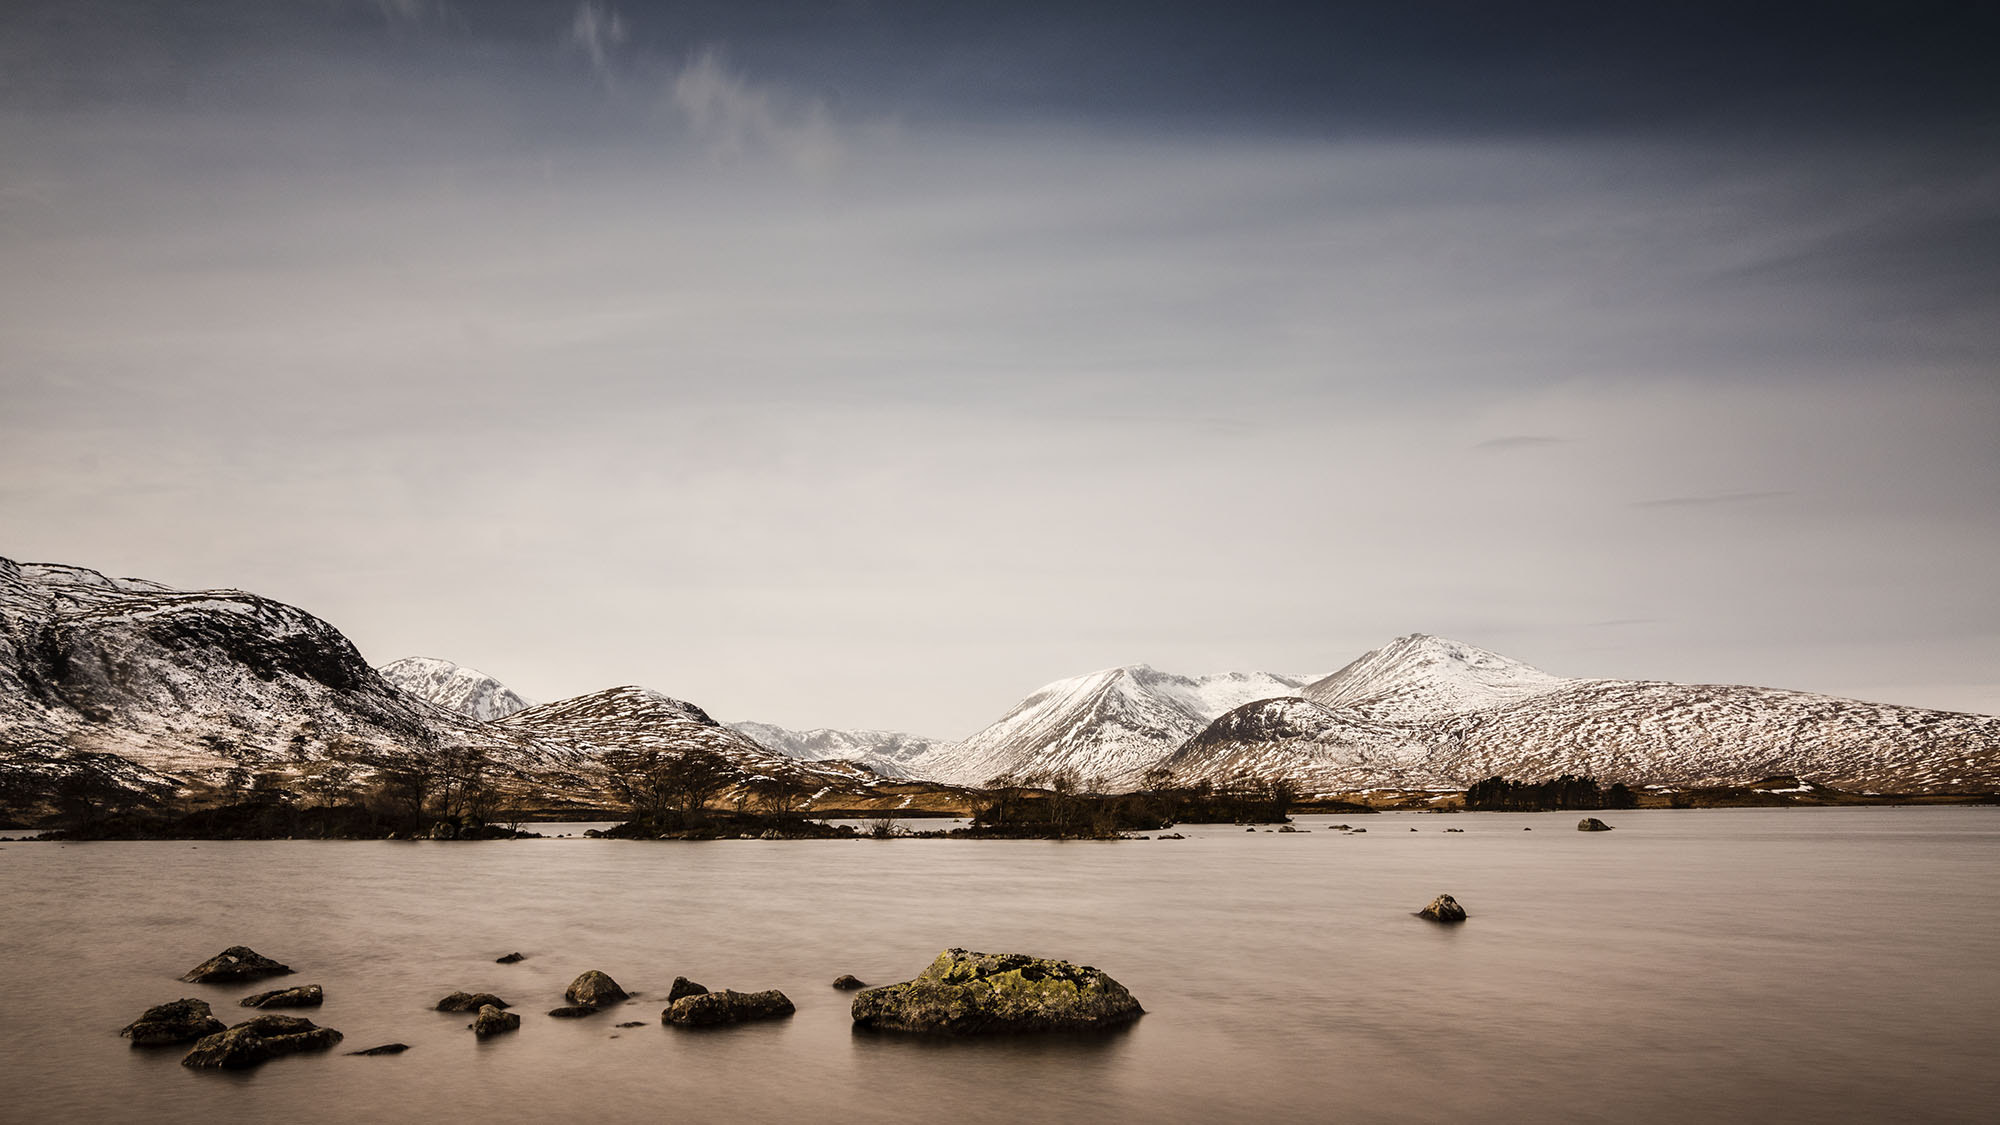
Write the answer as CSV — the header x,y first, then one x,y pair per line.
x,y
683,987
1443,908
470,1002
238,962
178,1021
493,1021
595,989
710,1009
254,1041
965,993
304,996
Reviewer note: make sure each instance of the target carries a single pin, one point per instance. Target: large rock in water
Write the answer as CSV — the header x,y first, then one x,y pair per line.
x,y
684,987
175,1022
1592,824
493,1021
265,1037
1443,908
304,996
238,962
964,993
709,1009
470,1002
595,989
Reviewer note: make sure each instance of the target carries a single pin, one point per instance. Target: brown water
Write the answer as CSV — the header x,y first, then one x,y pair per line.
x,y
1742,965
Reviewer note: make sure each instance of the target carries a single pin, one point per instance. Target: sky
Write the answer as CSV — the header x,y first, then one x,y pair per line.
x,y
870,364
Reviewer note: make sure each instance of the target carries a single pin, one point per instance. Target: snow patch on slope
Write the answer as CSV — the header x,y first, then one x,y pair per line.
x,y
454,687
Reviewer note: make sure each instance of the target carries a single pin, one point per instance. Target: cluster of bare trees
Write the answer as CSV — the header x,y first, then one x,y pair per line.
x,y
1066,803
669,785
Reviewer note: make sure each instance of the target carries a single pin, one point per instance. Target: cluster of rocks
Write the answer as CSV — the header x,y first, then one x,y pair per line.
x,y
248,1043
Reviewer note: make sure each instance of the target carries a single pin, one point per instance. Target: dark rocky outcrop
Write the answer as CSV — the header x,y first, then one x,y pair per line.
x,y
573,1012
1592,824
252,1042
304,996
711,1009
966,993
510,959
238,962
684,987
493,1021
848,982
633,1023
384,1049
470,1002
1443,908
595,989
176,1022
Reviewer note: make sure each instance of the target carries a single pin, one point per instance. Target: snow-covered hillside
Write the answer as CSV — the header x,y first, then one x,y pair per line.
x,y
454,687
1112,724
1422,677
887,752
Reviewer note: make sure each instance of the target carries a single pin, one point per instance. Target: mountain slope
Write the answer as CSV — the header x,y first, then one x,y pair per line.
x,y
1111,724
887,752
454,687
1422,677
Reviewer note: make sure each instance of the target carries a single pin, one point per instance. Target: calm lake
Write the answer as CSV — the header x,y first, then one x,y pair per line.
x,y
1739,965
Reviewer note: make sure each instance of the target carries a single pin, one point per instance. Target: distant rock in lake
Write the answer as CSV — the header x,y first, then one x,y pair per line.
x,y
966,993
238,962
177,1021
848,982
711,1009
304,996
252,1042
1592,824
493,1021
1443,908
470,1002
595,989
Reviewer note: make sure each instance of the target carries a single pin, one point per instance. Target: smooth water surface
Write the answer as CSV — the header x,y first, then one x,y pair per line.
x,y
1742,965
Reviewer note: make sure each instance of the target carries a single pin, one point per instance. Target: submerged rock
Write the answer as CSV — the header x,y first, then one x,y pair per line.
x,y
595,989
684,987
175,1022
573,1012
1443,908
384,1049
1592,824
965,993
709,1009
470,1002
304,996
238,962
633,1023
848,982
510,958
252,1042
493,1021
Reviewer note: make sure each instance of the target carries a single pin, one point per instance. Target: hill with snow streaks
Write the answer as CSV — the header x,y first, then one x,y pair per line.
x,y
1417,724
454,687
887,752
1112,724
1423,677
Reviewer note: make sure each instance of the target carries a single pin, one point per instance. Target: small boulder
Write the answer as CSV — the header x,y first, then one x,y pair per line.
x,y
684,987
595,989
510,959
573,1012
304,996
493,1021
238,962
711,1009
633,1023
1443,908
252,1042
1592,824
848,982
384,1049
470,1002
177,1022
965,993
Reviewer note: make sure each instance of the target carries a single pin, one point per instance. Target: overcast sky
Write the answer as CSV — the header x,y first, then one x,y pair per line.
x,y
870,364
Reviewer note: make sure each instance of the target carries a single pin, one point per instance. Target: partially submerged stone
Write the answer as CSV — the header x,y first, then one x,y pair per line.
x,y
510,958
1443,908
711,1009
848,982
595,989
684,987
304,996
238,962
1592,824
493,1021
573,1012
252,1042
966,993
384,1049
470,1002
178,1021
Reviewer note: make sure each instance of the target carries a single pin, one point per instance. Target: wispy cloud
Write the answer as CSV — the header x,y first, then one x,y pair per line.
x,y
412,11
736,116
1712,500
598,31
1519,441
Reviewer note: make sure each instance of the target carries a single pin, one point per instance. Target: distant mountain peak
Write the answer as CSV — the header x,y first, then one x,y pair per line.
x,y
454,687
1422,675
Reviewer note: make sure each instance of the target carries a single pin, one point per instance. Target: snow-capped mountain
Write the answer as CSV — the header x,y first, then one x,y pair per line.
x,y
1441,715
1112,725
1422,677
454,687
887,752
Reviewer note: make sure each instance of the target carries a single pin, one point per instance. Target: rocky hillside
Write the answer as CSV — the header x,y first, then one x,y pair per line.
x,y
454,687
887,752
1455,714
1112,724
